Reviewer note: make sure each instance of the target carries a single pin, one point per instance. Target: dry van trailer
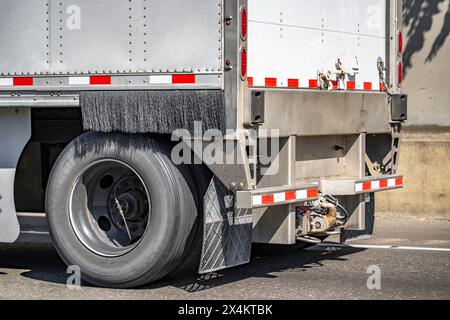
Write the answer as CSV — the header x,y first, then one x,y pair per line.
x,y
301,98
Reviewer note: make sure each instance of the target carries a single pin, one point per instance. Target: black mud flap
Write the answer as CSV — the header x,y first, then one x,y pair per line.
x,y
367,233
227,233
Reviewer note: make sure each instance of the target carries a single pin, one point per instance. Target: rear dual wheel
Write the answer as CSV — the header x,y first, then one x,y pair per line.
x,y
120,209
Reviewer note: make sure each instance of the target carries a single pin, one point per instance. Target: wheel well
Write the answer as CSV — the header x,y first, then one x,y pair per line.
x,y
52,130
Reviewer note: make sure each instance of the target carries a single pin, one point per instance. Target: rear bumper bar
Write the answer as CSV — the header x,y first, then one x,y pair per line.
x,y
276,196
349,186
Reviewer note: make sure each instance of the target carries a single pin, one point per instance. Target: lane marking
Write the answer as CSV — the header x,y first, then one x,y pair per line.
x,y
391,247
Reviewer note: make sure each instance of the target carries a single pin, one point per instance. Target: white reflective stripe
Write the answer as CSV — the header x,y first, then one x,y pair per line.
x,y
359,187
6,81
79,80
164,79
391,183
259,82
375,184
301,194
304,82
279,197
257,200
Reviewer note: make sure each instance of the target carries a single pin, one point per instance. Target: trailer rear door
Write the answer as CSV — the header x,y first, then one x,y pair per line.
x,y
291,41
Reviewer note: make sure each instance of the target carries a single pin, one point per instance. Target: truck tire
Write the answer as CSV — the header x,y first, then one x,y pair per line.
x,y
120,210
192,256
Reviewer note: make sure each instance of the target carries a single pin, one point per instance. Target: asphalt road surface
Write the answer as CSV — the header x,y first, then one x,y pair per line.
x,y
412,258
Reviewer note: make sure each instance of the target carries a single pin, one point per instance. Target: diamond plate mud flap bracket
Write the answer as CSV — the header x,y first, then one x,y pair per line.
x,y
227,233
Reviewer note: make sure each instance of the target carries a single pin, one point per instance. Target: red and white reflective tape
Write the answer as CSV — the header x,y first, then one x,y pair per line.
x,y
274,82
92,80
157,79
173,79
16,81
377,185
300,83
284,197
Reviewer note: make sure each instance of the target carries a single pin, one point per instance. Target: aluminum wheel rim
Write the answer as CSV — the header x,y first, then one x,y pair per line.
x,y
110,208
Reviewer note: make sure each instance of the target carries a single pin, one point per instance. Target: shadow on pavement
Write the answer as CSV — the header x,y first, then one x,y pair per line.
x,y
41,262
260,267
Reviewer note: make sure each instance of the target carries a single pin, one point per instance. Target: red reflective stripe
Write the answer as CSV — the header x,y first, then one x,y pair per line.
x,y
335,85
244,20
23,81
243,63
367,186
367,85
271,82
313,83
383,183
312,193
381,86
268,199
250,81
103,80
290,195
293,83
183,78
399,182
351,85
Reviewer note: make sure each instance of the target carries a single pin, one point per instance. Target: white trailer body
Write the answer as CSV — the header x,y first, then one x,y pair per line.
x,y
94,90
291,41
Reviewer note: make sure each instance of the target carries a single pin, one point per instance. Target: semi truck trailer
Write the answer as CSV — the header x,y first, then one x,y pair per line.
x,y
166,136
